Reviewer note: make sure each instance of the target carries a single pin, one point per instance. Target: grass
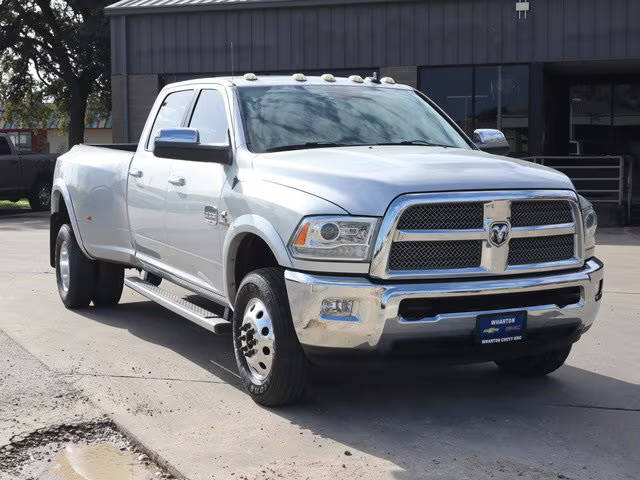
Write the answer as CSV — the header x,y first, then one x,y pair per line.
x,y
23,203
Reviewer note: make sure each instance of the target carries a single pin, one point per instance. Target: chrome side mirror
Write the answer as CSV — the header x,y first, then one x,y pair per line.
x,y
491,141
184,144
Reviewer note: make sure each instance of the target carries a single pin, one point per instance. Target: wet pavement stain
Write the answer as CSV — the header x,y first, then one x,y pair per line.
x,y
96,462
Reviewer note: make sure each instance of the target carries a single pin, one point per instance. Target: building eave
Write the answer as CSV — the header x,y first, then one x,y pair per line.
x,y
141,7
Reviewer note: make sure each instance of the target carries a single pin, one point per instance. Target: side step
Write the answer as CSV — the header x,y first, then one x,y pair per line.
x,y
182,307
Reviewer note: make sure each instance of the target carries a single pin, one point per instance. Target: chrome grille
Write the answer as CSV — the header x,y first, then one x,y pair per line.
x,y
443,216
461,234
523,251
435,255
530,213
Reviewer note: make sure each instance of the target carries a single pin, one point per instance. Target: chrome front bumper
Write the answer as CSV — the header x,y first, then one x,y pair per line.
x,y
375,323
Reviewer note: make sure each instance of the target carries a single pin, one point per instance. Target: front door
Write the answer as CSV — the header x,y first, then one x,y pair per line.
x,y
193,199
149,182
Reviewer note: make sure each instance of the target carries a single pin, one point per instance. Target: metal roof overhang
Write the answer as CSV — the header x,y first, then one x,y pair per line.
x,y
137,7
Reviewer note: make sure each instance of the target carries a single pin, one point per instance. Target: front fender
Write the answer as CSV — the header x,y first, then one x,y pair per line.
x,y
242,226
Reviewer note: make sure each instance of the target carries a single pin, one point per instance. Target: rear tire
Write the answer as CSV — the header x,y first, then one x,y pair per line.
x,y
75,273
270,360
40,197
536,365
109,284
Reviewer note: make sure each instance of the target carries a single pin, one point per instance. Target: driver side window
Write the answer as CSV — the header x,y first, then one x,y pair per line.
x,y
210,118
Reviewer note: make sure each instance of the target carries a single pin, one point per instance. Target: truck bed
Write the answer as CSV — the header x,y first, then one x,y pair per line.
x,y
96,177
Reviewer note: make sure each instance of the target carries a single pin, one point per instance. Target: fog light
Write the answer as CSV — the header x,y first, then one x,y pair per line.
x,y
337,307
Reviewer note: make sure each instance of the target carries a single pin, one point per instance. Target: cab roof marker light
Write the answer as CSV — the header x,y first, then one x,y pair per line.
x,y
356,79
388,80
250,77
299,77
327,77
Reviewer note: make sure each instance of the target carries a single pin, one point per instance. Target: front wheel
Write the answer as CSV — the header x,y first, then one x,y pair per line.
x,y
40,197
270,359
536,365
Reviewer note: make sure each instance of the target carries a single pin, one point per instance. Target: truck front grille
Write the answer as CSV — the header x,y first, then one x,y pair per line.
x,y
442,216
530,213
458,233
524,251
435,255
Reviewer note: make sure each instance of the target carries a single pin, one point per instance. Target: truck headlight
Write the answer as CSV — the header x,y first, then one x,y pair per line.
x,y
334,238
589,222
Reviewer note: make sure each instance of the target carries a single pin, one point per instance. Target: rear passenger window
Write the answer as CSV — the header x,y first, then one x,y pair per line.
x,y
170,114
4,147
210,118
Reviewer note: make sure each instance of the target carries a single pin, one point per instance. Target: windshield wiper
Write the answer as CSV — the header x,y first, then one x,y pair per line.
x,y
301,146
418,142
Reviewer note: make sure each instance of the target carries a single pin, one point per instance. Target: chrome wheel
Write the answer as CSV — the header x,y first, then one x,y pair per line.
x,y
63,265
44,195
257,339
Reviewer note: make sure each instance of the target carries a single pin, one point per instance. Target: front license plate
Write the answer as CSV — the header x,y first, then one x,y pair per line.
x,y
501,327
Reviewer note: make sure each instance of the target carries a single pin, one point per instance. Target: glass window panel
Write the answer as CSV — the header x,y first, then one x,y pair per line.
x,y
590,106
502,102
514,107
210,118
451,88
171,113
487,97
626,118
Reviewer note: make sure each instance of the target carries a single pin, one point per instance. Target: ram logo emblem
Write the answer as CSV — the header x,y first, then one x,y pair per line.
x,y
499,233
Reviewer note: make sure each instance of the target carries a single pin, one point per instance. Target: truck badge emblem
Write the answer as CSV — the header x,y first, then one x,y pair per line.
x,y
499,233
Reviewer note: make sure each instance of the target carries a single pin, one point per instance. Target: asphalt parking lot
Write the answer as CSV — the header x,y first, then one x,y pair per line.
x,y
172,387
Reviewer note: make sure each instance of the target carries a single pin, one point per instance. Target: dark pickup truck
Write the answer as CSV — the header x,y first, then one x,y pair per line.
x,y
25,175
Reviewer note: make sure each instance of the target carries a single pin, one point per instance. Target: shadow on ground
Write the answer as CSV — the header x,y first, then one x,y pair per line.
x,y
417,416
20,219
619,236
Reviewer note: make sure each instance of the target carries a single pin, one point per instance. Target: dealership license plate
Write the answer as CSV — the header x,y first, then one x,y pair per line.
x,y
501,327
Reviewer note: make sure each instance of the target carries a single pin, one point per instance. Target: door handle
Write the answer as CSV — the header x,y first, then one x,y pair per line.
x,y
177,181
136,173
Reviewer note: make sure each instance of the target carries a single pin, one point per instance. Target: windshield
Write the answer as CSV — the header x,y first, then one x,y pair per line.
x,y
286,117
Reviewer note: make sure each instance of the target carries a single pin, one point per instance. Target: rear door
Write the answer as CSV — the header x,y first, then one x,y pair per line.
x,y
149,180
9,168
193,200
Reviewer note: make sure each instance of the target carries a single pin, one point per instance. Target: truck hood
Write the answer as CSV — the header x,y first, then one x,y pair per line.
x,y
364,180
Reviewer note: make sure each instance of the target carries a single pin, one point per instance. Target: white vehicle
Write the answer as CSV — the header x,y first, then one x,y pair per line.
x,y
332,218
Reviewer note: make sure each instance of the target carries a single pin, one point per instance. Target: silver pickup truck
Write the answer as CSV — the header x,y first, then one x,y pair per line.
x,y
331,219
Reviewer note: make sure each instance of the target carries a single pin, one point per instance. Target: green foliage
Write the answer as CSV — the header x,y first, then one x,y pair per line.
x,y
54,52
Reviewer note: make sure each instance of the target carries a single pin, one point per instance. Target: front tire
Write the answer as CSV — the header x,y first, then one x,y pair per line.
x,y
40,197
270,360
535,365
75,273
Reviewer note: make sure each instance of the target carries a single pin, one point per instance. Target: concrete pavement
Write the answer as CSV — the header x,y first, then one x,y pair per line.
x,y
174,387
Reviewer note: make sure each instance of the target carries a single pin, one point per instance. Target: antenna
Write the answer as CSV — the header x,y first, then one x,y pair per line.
x,y
233,67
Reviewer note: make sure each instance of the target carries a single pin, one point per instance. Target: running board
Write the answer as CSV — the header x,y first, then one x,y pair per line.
x,y
182,307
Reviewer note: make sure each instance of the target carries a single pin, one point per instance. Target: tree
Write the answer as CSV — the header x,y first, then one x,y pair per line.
x,y
55,50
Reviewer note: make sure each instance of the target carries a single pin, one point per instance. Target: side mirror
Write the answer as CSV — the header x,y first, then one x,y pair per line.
x,y
184,144
491,141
